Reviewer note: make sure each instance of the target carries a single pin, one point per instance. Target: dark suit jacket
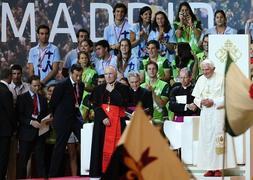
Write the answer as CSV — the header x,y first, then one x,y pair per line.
x,y
7,120
62,105
142,96
25,109
178,108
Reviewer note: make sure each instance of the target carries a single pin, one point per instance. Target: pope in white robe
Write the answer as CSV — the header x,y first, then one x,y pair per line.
x,y
209,97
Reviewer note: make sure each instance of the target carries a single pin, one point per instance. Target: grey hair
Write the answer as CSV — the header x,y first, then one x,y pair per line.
x,y
111,67
207,62
133,74
187,71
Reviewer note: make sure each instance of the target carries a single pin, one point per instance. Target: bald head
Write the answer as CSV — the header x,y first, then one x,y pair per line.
x,y
110,74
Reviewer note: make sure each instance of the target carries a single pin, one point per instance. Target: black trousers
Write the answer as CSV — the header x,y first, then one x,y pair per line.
x,y
62,137
25,150
5,142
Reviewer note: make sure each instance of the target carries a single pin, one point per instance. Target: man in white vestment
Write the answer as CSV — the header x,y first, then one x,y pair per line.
x,y
209,97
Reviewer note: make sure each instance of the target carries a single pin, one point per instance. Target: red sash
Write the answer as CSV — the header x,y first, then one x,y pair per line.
x,y
112,132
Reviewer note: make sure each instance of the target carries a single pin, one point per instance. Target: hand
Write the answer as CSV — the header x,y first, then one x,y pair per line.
x,y
189,21
220,107
143,35
171,46
207,102
91,115
161,36
48,121
106,122
181,16
35,124
192,107
115,46
149,87
249,20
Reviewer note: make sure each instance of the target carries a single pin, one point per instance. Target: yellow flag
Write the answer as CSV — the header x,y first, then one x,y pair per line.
x,y
143,154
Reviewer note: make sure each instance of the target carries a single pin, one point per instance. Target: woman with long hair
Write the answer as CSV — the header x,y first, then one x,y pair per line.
x,y
89,75
184,59
164,34
188,28
220,25
126,62
140,31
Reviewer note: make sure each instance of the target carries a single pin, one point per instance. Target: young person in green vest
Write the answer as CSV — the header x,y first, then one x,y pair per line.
x,y
163,71
160,93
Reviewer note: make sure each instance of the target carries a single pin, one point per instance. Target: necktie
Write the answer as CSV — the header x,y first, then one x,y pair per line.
x,y
76,93
35,105
76,89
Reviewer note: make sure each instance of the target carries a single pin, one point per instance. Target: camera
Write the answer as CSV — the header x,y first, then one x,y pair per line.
x,y
183,14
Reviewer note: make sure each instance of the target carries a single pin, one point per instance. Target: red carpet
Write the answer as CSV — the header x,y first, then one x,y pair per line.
x,y
63,178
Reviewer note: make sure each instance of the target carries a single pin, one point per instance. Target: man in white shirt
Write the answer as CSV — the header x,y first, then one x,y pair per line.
x,y
44,59
120,29
105,58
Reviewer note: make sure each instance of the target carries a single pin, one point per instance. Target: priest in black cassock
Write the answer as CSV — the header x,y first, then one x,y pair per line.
x,y
139,95
181,100
109,102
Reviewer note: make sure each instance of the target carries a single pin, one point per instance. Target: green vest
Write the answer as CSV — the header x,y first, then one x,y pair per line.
x,y
160,62
88,76
159,113
188,36
85,107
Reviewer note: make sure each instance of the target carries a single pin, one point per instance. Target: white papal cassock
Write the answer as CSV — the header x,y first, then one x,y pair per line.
x,y
211,125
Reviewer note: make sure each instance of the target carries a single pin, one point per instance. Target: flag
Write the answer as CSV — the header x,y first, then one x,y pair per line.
x,y
142,153
238,99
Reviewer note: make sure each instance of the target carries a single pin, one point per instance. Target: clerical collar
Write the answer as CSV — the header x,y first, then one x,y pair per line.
x,y
185,87
135,90
113,83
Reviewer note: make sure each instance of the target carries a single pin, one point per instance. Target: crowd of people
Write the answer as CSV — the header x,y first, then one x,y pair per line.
x,y
154,61
80,15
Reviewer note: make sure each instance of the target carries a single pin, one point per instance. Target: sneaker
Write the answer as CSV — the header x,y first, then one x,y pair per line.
x,y
217,173
209,173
